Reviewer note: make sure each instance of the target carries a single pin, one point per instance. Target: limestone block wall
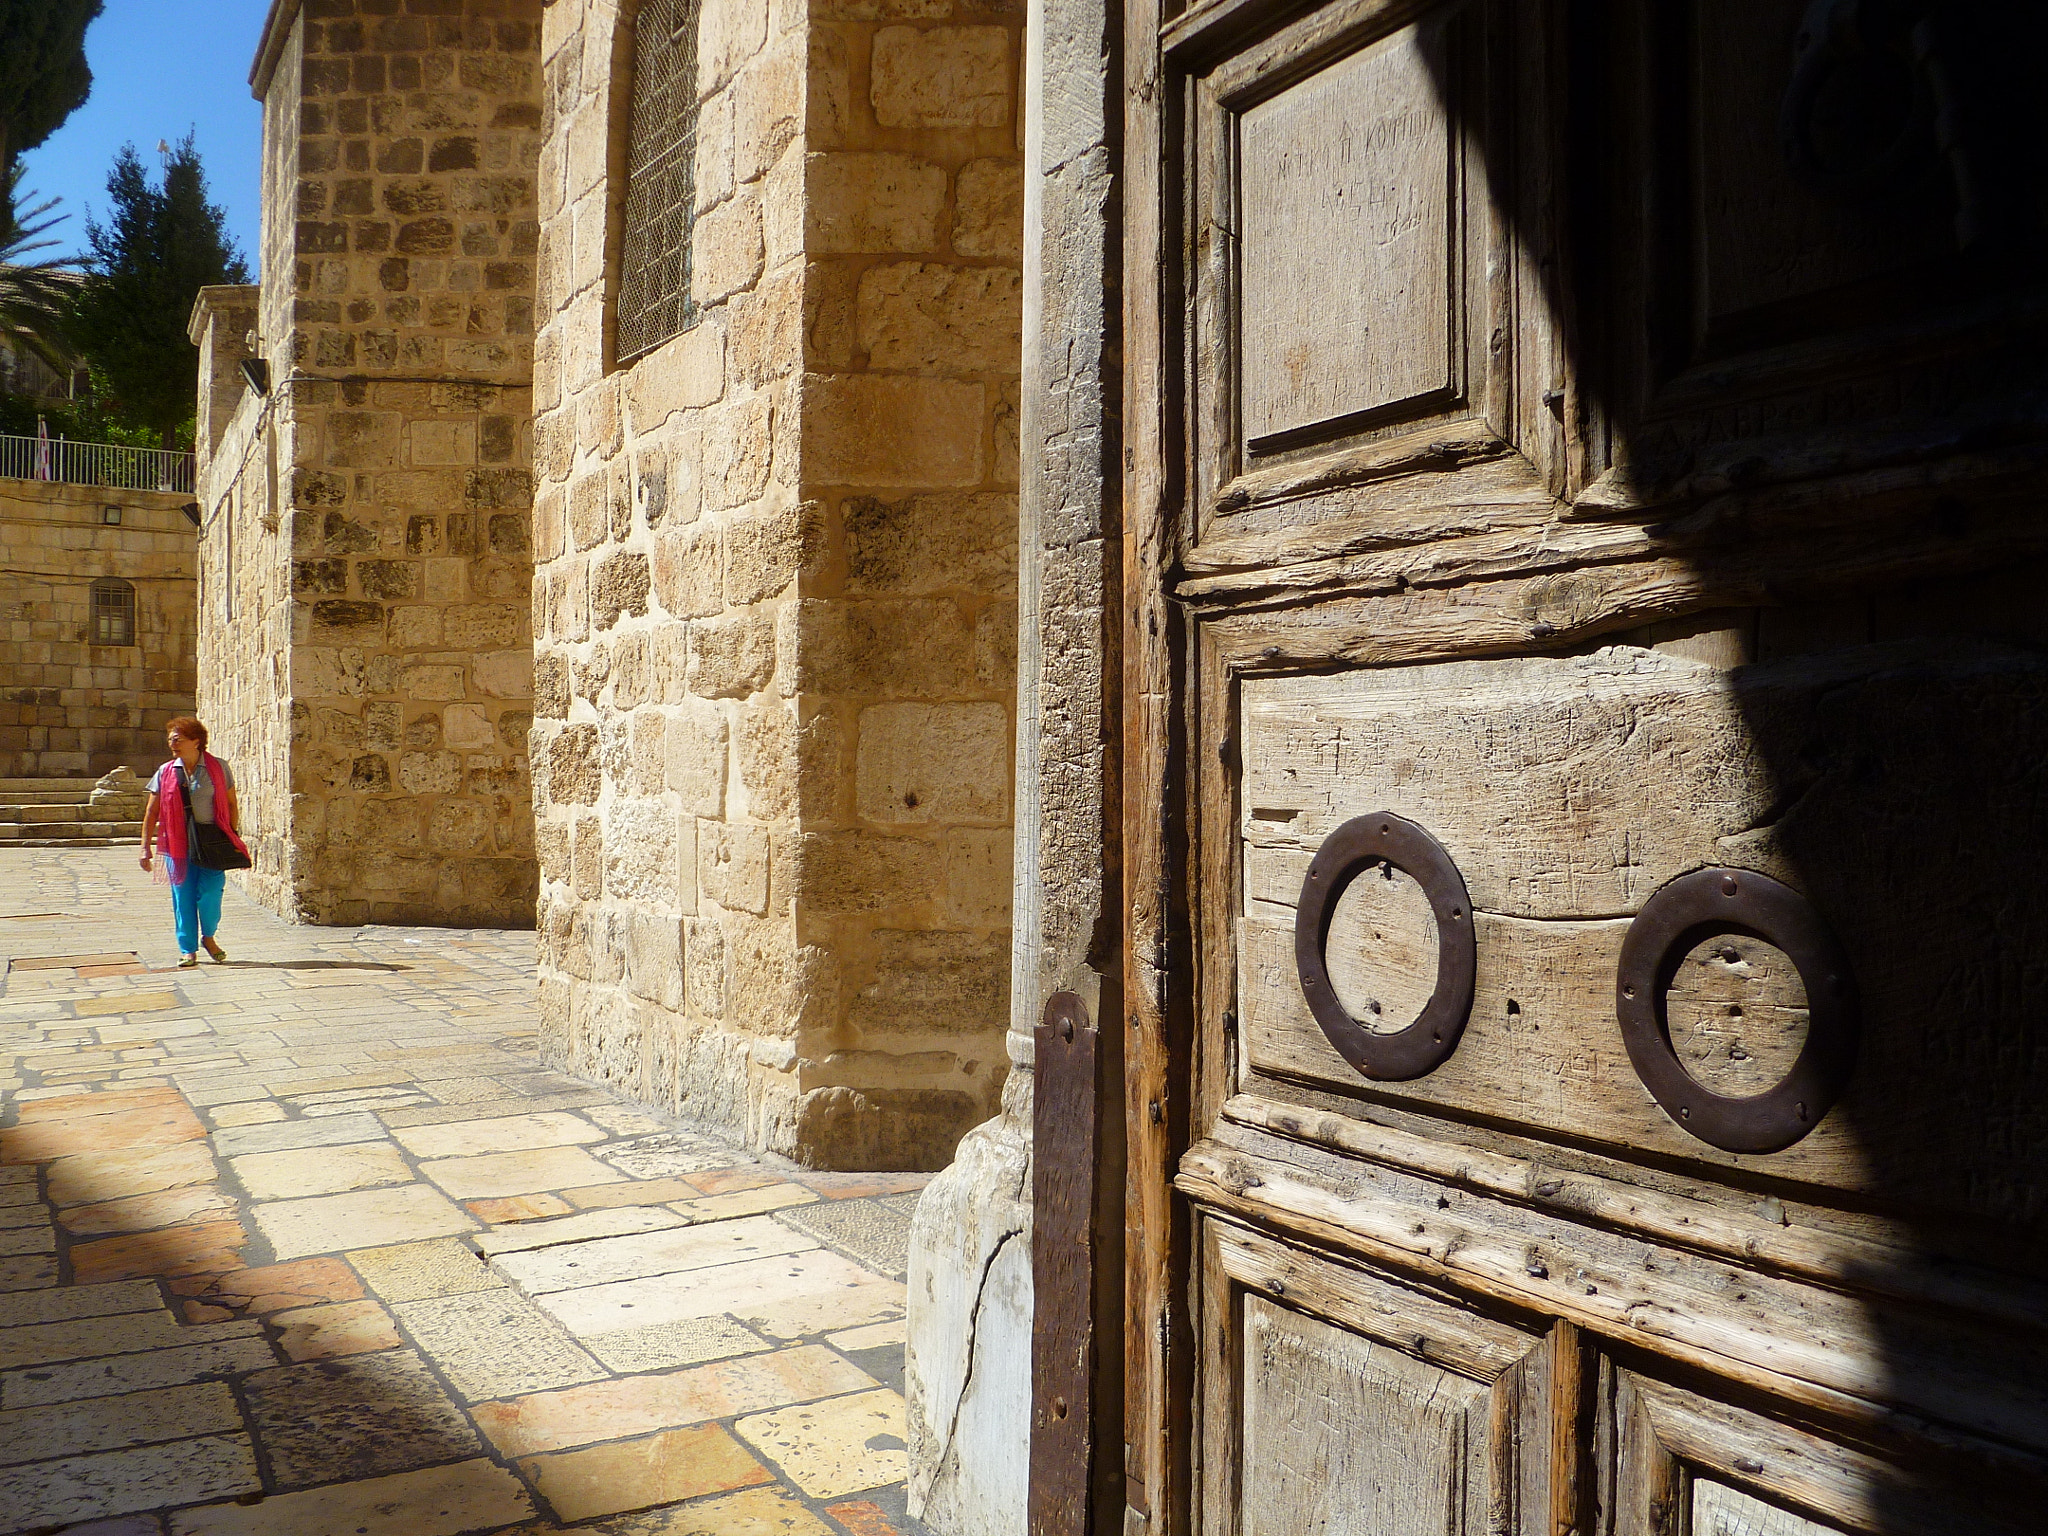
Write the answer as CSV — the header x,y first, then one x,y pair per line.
x,y
394,496
774,590
70,708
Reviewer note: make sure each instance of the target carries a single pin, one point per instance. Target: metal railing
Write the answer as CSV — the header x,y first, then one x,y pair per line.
x,y
59,459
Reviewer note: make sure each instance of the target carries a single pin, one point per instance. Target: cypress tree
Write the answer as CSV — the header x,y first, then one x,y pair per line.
x,y
43,73
144,266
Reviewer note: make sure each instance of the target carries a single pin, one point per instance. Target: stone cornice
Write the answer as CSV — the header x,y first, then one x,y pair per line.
x,y
277,26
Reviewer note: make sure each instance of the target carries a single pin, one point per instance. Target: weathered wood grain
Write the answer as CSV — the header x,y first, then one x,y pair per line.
x,y
1799,1343
1569,789
1839,1484
1345,290
1748,1237
1348,1436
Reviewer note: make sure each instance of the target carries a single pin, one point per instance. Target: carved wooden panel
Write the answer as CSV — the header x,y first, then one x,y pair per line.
x,y
1737,1472
1568,789
1718,1510
1350,1437
1341,1402
1356,331
1344,259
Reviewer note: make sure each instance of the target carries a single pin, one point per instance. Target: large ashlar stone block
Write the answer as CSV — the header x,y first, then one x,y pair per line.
x,y
923,317
726,249
881,430
988,210
941,77
681,374
935,983
871,201
965,541
945,763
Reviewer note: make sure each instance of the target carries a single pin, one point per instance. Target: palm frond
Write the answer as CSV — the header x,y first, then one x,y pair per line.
x,y
35,288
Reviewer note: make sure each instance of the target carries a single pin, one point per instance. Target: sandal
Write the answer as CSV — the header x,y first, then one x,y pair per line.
x,y
220,956
186,962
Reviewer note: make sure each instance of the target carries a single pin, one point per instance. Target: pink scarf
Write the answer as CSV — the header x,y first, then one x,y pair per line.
x,y
170,819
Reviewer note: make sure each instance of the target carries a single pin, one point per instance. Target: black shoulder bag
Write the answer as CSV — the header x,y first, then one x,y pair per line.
x,y
207,844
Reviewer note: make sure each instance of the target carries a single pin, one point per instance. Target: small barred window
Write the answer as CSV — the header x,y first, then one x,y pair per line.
x,y
661,178
113,612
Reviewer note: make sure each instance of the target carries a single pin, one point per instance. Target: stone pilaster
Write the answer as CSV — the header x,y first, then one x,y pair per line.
x,y
775,589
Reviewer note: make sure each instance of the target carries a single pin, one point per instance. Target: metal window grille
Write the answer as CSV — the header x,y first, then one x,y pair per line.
x,y
113,613
661,178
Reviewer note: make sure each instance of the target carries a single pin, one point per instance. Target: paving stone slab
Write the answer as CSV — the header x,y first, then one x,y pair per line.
x,y
869,1231
29,1272
496,1344
86,1338
667,1156
133,1373
117,1482
306,1171
665,1345
604,1260
414,1271
337,1130
107,1423
365,1416
633,1474
497,1174
621,1221
638,1405
507,1133
829,1449
365,1217
437,1501
755,1286
79,1301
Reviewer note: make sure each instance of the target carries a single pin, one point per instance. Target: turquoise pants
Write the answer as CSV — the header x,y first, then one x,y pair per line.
x,y
195,906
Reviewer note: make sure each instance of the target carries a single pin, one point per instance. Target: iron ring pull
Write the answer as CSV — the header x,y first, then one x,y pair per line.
x,y
1679,915
1361,844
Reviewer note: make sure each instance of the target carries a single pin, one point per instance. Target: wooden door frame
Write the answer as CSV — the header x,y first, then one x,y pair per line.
x,y
1610,579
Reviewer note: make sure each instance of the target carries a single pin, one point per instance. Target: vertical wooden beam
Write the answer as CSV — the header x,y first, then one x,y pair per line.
x,y
1066,1171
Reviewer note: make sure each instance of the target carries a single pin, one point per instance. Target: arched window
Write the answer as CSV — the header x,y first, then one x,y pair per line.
x,y
113,612
661,164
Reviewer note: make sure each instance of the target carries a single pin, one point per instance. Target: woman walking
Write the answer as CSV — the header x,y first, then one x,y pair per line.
x,y
193,790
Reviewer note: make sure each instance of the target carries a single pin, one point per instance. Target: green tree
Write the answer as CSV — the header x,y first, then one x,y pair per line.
x,y
35,289
144,266
43,73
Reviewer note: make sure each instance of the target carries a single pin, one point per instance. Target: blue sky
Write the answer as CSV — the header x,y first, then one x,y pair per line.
x,y
161,68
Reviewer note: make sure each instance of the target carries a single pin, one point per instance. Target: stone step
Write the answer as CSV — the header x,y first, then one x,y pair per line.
x,y
67,842
41,813
18,834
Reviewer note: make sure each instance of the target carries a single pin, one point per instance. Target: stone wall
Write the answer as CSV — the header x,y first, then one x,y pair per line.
x,y
385,476
968,1371
70,708
774,592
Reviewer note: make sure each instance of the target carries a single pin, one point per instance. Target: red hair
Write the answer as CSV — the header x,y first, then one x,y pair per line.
x,y
188,728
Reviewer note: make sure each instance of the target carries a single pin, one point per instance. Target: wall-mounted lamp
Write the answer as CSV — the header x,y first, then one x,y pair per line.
x,y
191,511
111,516
257,372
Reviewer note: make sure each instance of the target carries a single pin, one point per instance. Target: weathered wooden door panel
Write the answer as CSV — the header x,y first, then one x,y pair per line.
x,y
1336,1400
1569,789
1355,277
1670,1459
1544,435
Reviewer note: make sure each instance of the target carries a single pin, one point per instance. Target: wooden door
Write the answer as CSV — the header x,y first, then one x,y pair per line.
x,y
1585,756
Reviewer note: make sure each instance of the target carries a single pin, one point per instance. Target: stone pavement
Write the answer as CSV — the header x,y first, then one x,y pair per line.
x,y
314,1243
